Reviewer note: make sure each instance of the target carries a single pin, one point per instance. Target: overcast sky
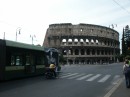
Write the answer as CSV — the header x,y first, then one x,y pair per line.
x,y
32,17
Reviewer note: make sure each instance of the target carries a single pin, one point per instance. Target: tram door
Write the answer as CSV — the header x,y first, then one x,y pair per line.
x,y
2,59
29,64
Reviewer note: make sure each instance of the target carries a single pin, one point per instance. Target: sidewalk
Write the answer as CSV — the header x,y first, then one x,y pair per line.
x,y
121,91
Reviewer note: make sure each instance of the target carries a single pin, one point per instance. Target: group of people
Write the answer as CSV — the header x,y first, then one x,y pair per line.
x,y
126,71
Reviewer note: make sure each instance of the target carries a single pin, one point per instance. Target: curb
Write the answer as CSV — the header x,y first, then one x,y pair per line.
x,y
114,88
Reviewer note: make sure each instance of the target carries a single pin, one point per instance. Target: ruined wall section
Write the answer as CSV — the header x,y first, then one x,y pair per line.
x,y
84,43
56,32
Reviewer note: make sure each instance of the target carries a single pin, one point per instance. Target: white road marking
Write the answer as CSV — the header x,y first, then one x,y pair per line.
x,y
114,88
90,77
69,75
65,74
104,78
84,77
75,76
116,79
93,77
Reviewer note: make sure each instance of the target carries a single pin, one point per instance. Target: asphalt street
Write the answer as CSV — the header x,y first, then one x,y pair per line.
x,y
73,81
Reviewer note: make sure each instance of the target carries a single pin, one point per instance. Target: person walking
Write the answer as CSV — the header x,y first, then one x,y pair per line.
x,y
126,71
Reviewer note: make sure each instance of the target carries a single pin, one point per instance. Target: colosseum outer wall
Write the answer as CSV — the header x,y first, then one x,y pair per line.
x,y
84,43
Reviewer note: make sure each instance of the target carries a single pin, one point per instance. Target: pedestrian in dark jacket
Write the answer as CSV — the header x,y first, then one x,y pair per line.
x,y
126,71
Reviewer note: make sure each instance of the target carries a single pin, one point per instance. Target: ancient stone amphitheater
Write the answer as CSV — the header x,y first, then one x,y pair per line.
x,y
84,43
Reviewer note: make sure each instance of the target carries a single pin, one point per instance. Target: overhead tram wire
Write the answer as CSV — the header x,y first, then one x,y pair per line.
x,y
121,7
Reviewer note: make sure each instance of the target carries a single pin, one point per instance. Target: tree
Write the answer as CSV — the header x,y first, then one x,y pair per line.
x,y
61,58
124,49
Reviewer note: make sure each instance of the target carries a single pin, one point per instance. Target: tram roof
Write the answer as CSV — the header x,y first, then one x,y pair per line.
x,y
23,45
50,49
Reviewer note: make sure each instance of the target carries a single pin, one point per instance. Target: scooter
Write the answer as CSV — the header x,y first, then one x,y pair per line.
x,y
49,74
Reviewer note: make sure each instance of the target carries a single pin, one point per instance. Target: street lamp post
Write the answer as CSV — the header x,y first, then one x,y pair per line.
x,y
32,36
4,36
17,32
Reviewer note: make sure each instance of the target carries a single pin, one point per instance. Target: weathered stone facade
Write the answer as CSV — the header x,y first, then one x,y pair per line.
x,y
84,43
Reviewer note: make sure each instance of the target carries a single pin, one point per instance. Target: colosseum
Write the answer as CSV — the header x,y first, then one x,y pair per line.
x,y
84,43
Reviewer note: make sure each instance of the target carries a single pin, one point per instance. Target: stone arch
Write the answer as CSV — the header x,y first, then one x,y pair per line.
x,y
88,51
64,52
92,41
76,52
93,52
81,41
75,41
70,41
87,41
82,52
70,52
63,40
97,42
98,52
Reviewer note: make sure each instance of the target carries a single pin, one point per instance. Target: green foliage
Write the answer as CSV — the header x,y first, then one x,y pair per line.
x,y
61,59
120,58
127,57
128,52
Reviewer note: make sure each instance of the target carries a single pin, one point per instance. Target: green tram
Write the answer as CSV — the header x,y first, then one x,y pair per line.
x,y
18,60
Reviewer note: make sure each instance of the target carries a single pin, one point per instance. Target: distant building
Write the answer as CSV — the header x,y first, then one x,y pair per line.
x,y
125,40
84,43
127,36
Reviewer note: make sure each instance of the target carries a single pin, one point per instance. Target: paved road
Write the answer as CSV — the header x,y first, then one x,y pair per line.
x,y
73,81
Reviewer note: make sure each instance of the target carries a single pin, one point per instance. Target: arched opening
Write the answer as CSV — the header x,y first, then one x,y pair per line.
x,y
93,52
102,52
75,41
70,61
81,41
64,52
76,61
64,41
88,61
82,61
69,41
98,52
76,52
70,52
87,41
88,52
82,52
96,41
92,41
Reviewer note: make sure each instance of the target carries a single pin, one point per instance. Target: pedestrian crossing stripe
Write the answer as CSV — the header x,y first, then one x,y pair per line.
x,y
76,76
94,77
84,77
104,78
116,79
69,75
90,77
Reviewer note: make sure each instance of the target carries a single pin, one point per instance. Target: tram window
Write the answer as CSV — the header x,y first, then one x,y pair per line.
x,y
12,60
18,60
40,60
27,60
